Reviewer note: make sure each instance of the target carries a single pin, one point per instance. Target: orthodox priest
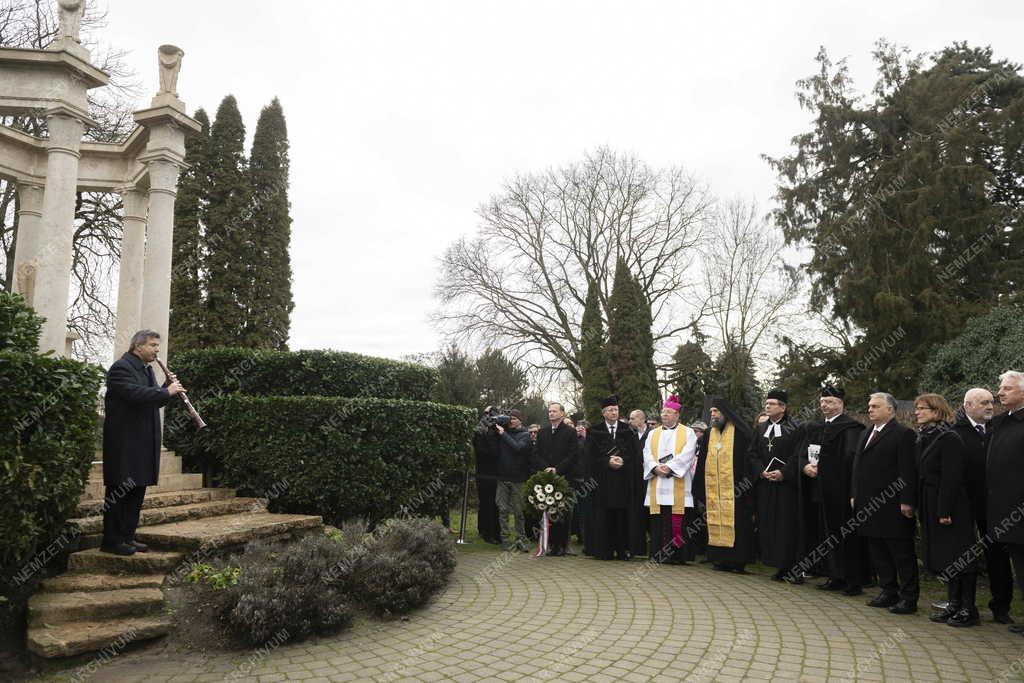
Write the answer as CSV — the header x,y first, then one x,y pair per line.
x,y
724,465
613,459
778,519
669,455
826,464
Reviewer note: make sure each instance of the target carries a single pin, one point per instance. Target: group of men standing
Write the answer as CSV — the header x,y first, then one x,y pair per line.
x,y
830,497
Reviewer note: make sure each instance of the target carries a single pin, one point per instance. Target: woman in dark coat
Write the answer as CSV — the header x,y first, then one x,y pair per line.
x,y
946,518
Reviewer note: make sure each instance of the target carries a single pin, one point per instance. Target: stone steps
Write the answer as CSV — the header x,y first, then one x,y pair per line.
x,y
169,464
97,562
177,513
65,640
226,530
94,488
92,508
70,583
48,609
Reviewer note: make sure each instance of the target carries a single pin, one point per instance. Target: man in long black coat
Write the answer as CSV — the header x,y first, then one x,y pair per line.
x,y
557,450
614,463
485,451
832,444
1006,476
884,495
131,440
774,457
973,426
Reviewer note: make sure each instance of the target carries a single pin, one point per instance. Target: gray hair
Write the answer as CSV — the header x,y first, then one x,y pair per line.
x,y
639,411
141,337
889,398
1013,374
556,403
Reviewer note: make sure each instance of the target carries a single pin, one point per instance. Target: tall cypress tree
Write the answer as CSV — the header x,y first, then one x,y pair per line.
x,y
630,343
269,298
691,372
593,359
187,308
228,243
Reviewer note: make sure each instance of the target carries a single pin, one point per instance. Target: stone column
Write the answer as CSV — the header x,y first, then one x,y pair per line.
x,y
129,286
156,287
26,249
57,223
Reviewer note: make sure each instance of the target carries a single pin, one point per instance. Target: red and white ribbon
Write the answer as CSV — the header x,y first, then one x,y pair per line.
x,y
542,537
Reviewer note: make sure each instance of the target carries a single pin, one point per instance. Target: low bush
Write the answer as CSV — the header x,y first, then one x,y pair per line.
x,y
336,457
20,327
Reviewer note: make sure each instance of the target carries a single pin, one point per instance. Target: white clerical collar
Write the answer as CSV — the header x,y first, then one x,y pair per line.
x,y
774,428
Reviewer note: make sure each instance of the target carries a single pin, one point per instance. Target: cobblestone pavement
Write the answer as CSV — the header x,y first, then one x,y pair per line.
x,y
507,617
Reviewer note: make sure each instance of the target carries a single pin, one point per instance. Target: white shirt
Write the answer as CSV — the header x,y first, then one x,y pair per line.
x,y
773,426
679,464
974,424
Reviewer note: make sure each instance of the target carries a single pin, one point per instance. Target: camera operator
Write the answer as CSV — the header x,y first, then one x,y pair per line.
x,y
513,468
485,451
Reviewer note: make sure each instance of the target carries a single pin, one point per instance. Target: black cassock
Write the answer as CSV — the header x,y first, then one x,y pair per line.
x,y
616,524
778,517
740,492
827,500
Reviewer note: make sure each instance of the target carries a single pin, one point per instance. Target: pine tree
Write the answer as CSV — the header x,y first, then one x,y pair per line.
x,y
690,374
733,378
187,309
228,244
503,382
269,297
630,345
593,359
459,383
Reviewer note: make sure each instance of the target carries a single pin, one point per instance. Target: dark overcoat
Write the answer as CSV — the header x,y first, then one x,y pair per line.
x,y
885,477
558,448
942,468
131,428
975,446
615,489
1005,477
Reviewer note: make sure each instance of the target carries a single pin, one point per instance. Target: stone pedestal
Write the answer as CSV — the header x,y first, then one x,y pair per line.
x,y
57,223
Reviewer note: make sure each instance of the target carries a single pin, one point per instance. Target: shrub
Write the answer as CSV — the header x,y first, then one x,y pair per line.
x,y
336,457
288,593
20,327
406,562
988,346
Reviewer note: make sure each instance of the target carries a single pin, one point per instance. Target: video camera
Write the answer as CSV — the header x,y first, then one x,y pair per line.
x,y
495,417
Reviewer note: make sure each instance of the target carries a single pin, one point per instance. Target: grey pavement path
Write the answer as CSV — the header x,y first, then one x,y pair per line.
x,y
507,617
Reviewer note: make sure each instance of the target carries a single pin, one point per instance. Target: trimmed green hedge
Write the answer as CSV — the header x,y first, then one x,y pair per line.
x,y
338,457
20,327
988,346
209,373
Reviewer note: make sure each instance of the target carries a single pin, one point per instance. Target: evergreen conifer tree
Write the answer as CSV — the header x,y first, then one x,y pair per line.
x,y
269,296
593,359
630,345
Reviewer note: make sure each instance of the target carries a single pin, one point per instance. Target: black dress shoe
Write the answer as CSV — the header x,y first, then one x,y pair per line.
x,y
904,607
777,576
556,552
943,616
964,617
139,547
795,580
831,585
1002,618
119,549
883,600
853,590
1015,628
721,568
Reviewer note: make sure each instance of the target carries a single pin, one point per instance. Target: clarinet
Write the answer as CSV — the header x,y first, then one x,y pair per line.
x,y
192,412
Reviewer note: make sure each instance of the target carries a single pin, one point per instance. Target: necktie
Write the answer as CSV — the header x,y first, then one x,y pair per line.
x,y
149,374
871,437
980,429
613,431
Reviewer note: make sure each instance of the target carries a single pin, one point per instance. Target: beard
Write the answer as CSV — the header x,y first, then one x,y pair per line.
x,y
718,422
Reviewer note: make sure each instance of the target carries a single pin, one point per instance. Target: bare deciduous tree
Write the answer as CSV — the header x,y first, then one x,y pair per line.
x,y
521,281
97,236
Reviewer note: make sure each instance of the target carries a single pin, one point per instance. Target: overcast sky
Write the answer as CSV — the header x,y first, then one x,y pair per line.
x,y
404,116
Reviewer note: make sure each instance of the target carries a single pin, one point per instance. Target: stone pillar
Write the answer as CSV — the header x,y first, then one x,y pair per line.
x,y
26,249
156,287
133,252
57,226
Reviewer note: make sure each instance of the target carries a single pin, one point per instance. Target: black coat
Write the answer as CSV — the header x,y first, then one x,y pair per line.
x,y
778,510
559,449
885,477
942,472
1005,477
615,489
131,428
975,446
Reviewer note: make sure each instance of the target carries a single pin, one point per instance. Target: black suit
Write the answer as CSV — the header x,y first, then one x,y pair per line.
x,y
617,527
558,448
131,444
997,561
885,477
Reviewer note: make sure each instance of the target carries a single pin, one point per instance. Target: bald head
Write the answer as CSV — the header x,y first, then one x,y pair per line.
x,y
978,404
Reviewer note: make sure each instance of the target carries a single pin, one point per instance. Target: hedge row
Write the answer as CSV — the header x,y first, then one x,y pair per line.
x,y
338,457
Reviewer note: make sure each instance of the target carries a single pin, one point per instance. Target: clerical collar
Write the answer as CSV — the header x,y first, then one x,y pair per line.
x,y
774,428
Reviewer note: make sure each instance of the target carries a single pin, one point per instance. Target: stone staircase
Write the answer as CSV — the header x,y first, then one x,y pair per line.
x,y
108,601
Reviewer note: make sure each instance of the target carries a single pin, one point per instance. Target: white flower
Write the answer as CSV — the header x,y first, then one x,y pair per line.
x,y
531,499
538,489
548,488
541,506
549,500
558,495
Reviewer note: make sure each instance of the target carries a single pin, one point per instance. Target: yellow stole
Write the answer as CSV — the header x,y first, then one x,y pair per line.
x,y
678,484
720,491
